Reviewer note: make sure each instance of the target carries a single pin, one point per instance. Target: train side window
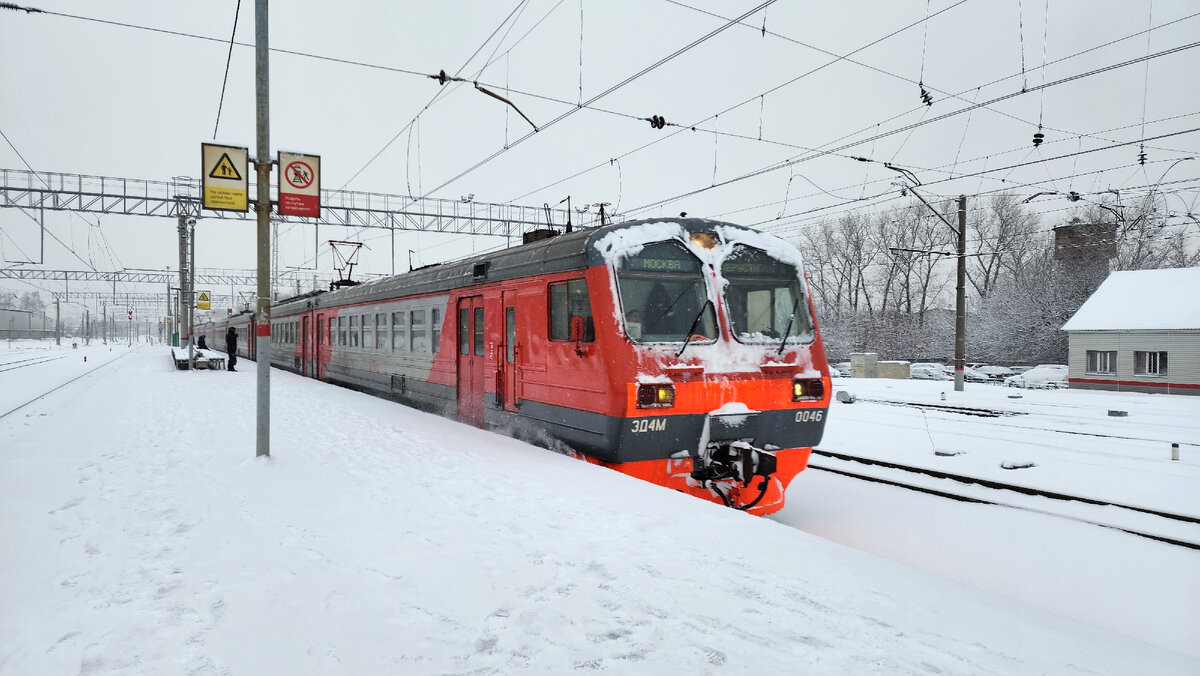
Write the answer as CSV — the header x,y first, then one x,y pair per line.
x,y
320,330
399,331
510,334
416,331
464,331
435,324
341,330
368,329
355,334
381,329
569,300
478,332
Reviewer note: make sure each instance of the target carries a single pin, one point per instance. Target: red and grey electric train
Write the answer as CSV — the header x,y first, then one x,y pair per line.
x,y
681,351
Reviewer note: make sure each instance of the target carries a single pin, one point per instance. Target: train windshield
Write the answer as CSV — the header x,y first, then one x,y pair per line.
x,y
664,296
764,298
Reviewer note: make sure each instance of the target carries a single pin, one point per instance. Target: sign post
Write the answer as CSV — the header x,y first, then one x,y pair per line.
x,y
299,185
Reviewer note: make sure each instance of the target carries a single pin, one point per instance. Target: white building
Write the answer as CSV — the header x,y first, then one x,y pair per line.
x,y
1139,332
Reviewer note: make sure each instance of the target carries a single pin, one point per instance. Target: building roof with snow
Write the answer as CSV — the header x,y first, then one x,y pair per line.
x,y
1142,300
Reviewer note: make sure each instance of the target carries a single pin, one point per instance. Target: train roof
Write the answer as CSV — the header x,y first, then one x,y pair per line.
x,y
562,253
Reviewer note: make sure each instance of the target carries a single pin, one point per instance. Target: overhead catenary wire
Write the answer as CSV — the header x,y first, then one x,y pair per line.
x,y
228,60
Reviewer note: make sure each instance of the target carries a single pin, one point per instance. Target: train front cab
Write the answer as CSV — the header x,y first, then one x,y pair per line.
x,y
720,367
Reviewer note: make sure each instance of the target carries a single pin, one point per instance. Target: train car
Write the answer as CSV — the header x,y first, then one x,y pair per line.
x,y
681,351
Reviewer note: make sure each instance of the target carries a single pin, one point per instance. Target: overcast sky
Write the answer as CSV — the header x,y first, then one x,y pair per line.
x,y
84,95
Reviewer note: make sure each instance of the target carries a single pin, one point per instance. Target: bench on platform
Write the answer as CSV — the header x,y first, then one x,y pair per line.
x,y
202,360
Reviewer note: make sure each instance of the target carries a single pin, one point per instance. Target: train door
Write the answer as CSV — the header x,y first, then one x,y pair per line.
x,y
507,364
305,347
319,357
470,360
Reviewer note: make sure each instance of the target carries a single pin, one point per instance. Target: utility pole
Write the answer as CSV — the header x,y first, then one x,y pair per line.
x,y
262,166
191,299
104,318
960,309
57,323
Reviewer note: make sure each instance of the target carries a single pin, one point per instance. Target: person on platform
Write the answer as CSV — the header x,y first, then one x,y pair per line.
x,y
200,344
231,344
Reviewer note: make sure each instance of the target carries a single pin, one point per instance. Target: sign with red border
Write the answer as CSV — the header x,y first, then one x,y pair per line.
x,y
299,185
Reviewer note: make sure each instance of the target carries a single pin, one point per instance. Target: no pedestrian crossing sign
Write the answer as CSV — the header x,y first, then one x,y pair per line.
x,y
299,185
226,178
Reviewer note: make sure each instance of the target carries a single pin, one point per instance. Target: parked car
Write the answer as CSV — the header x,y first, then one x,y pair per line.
x,y
842,368
973,375
1019,369
923,371
1042,376
996,373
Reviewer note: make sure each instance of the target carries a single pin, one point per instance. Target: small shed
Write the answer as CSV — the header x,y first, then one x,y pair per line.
x,y
1139,332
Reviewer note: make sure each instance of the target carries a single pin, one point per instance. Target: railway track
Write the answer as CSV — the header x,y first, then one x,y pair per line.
x,y
22,363
1001,486
59,387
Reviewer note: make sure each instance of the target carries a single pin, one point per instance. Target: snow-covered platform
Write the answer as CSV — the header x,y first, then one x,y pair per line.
x,y
142,535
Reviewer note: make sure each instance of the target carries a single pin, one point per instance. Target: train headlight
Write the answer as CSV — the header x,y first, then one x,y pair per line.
x,y
655,395
808,389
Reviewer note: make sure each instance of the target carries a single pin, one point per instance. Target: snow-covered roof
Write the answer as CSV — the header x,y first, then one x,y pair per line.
x,y
1154,300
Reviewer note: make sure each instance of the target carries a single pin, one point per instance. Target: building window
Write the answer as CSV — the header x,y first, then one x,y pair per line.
x,y
1150,363
567,301
399,331
1099,361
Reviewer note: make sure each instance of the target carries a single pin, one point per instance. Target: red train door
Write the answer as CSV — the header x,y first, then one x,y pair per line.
x,y
319,355
507,362
305,347
470,360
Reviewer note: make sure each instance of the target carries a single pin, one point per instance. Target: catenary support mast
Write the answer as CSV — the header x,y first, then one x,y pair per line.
x,y
262,165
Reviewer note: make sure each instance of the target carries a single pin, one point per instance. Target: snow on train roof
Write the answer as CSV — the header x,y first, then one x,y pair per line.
x,y
1142,300
624,241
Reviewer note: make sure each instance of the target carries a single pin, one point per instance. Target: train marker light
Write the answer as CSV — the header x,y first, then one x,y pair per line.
x,y
656,395
808,389
705,240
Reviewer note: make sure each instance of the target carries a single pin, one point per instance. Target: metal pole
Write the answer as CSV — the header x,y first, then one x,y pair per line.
x,y
262,165
192,296
960,309
104,319
180,315
57,323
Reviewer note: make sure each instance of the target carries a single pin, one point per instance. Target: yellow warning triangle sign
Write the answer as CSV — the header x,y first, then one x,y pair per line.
x,y
225,169
203,297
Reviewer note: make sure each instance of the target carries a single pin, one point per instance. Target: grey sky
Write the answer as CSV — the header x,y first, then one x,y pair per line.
x,y
94,98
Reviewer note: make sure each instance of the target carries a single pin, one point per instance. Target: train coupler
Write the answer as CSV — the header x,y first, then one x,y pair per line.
x,y
722,466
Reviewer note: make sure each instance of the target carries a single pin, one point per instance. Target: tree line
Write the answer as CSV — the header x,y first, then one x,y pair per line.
x,y
884,281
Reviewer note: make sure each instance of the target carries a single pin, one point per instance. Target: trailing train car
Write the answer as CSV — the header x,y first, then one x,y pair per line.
x,y
681,351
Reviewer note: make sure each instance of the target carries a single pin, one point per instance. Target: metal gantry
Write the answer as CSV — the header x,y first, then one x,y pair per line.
x,y
180,196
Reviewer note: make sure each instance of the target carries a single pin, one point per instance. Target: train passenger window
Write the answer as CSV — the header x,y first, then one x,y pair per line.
x,y
663,295
355,332
464,331
381,328
764,297
435,323
368,328
478,332
510,334
341,330
399,331
320,330
416,330
568,300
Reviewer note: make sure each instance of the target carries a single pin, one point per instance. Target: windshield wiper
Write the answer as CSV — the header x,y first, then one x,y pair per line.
x,y
788,330
695,322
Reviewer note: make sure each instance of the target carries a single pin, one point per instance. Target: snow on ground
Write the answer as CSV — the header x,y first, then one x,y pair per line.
x,y
141,535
